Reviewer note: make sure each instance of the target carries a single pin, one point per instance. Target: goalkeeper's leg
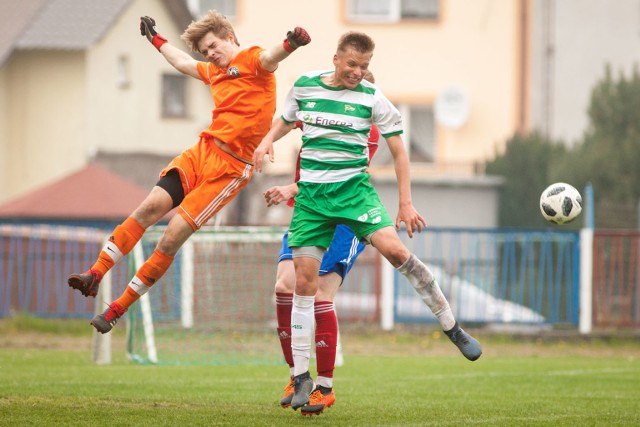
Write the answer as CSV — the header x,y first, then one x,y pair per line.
x,y
123,238
167,194
177,232
148,274
387,241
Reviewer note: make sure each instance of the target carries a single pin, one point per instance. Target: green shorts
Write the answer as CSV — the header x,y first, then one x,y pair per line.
x,y
320,208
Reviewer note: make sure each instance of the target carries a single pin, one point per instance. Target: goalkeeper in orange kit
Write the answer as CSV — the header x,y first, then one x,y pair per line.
x,y
208,175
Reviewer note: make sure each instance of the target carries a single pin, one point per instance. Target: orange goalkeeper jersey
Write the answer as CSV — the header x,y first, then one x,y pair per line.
x,y
244,95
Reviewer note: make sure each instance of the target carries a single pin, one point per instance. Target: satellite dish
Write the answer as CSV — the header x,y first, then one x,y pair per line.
x,y
452,107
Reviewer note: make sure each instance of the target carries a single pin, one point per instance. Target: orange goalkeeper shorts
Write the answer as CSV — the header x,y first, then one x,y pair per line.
x,y
210,177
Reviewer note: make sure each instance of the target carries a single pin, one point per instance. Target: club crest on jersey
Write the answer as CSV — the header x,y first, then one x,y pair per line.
x,y
311,104
233,72
349,108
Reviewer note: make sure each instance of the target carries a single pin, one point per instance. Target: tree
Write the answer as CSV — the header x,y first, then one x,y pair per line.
x,y
609,155
526,166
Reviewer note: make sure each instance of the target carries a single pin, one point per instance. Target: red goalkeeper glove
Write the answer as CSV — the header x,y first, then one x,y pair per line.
x,y
148,29
296,38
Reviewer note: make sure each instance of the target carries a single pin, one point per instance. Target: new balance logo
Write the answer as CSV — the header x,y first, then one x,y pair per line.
x,y
233,72
284,335
322,344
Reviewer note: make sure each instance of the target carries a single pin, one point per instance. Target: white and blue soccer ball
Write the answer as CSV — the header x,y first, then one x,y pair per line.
x,y
560,203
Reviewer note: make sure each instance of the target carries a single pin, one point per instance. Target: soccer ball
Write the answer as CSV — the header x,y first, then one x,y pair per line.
x,y
560,203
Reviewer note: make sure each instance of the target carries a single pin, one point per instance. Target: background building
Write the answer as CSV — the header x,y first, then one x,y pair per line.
x,y
79,85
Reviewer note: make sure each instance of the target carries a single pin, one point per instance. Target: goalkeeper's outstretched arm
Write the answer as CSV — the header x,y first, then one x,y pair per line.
x,y
180,60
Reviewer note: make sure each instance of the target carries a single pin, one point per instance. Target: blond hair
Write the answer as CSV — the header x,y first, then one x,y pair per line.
x,y
368,76
214,22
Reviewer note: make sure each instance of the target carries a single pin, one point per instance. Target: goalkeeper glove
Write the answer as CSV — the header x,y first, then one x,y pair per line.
x,y
148,29
296,38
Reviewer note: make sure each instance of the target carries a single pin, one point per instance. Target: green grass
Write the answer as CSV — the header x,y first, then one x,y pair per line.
x,y
513,384
21,323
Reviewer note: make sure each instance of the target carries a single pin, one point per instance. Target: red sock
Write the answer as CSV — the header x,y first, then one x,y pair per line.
x,y
122,240
284,305
326,338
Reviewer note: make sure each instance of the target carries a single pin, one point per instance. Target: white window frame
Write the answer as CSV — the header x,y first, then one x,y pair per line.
x,y
393,12
174,93
416,150
228,8
426,145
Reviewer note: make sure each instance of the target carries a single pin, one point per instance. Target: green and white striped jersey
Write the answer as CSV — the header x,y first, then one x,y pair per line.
x,y
336,126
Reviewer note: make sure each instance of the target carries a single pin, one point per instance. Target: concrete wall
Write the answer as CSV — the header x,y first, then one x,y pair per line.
x,y
447,202
572,41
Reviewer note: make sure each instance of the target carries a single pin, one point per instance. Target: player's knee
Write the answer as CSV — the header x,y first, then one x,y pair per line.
x,y
306,286
323,295
397,255
284,286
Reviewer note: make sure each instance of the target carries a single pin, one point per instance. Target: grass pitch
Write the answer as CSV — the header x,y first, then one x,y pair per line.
x,y
417,381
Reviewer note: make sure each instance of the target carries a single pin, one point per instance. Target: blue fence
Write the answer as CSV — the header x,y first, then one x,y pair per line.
x,y
35,261
498,276
489,276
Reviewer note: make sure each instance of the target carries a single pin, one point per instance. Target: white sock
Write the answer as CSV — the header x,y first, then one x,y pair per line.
x,y
325,382
426,286
302,319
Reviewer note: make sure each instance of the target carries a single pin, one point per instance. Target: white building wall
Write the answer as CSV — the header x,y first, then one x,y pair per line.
x,y
572,42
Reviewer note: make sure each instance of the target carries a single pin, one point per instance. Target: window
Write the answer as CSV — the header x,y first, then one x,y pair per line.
x,y
419,136
199,8
392,10
174,96
122,72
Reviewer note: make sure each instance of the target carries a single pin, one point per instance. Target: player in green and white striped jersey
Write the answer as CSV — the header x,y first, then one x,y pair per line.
x,y
338,108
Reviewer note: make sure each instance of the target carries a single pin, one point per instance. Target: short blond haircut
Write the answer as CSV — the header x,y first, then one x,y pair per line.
x,y
356,40
214,22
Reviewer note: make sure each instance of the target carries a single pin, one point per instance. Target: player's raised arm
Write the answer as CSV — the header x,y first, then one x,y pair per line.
x,y
279,128
406,212
295,38
179,59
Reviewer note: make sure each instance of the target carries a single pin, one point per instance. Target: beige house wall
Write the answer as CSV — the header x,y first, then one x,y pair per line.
x,y
44,121
474,46
4,133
